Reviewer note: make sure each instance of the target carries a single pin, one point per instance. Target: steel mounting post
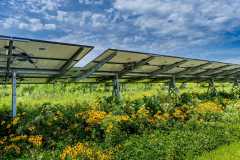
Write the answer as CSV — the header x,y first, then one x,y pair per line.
x,y
116,87
172,88
14,94
211,88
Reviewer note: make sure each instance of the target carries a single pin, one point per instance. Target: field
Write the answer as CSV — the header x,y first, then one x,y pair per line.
x,y
83,121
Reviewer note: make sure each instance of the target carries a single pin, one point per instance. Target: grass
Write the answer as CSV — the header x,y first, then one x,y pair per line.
x,y
226,152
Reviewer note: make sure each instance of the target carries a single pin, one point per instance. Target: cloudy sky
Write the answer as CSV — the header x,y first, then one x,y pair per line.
x,y
208,29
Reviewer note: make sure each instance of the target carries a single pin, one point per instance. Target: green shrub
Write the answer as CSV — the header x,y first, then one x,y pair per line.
x,y
184,141
186,98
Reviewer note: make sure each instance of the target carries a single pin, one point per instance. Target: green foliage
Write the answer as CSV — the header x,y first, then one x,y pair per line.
x,y
145,123
186,98
153,103
179,143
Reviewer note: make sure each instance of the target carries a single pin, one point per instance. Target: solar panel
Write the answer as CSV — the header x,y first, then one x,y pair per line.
x,y
136,66
38,61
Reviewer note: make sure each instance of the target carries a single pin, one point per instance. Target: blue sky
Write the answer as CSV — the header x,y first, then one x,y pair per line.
x,y
207,29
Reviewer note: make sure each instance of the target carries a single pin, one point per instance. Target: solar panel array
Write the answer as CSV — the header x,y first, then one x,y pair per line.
x,y
37,61
143,67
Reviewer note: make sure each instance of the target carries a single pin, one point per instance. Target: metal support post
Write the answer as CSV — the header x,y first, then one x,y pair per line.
x,y
211,88
116,87
14,95
172,88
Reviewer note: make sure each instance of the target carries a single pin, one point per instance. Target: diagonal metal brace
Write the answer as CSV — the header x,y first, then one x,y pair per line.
x,y
128,68
161,70
167,68
66,65
95,68
193,69
134,66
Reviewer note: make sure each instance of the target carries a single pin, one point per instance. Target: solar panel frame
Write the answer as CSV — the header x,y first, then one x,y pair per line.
x,y
45,63
190,68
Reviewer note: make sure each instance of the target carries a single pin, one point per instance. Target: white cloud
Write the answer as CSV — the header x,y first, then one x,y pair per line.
x,y
23,25
91,2
9,22
99,20
183,17
87,19
42,5
61,15
50,26
31,24
153,6
35,24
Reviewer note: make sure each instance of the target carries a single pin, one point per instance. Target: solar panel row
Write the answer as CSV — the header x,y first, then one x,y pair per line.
x,y
143,67
37,61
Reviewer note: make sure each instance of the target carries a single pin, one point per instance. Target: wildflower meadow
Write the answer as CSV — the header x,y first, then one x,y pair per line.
x,y
82,121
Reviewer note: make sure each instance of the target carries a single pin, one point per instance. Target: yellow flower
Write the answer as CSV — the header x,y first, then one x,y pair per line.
x,y
151,120
143,112
8,126
121,118
124,117
85,151
15,120
1,142
36,140
179,114
95,117
209,106
161,117
12,147
18,138
109,128
31,128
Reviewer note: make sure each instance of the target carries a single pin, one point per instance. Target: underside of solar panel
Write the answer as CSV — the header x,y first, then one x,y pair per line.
x,y
37,61
131,66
